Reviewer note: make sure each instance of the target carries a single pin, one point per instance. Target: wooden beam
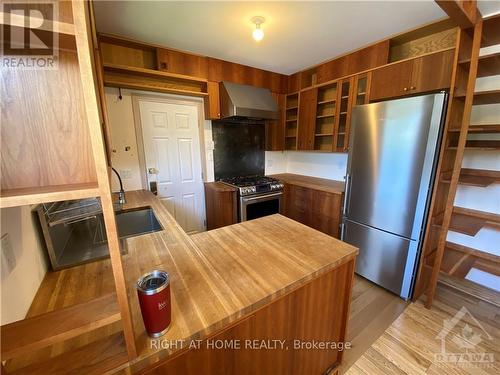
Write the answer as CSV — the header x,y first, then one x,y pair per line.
x,y
463,12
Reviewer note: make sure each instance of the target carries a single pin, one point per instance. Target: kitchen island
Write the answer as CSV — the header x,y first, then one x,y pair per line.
x,y
271,280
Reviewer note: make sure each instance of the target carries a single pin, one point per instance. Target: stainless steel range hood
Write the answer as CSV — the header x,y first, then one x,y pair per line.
x,y
247,101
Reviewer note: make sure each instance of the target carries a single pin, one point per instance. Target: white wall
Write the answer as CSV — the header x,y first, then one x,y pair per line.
x,y
20,285
316,164
121,119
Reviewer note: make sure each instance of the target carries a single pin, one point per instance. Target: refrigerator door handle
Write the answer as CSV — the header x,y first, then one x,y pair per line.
x,y
346,194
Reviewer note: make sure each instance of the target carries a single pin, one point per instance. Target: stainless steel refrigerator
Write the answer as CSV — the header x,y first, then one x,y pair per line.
x,y
393,153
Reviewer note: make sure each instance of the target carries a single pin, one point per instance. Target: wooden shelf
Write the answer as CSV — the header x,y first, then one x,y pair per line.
x,y
470,288
487,97
323,135
143,86
151,73
327,101
290,136
470,222
289,108
488,65
22,197
325,116
27,335
343,113
474,252
484,145
291,120
97,357
476,177
490,35
480,129
153,80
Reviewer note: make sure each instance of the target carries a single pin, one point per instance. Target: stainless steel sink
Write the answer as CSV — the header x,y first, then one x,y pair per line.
x,y
136,222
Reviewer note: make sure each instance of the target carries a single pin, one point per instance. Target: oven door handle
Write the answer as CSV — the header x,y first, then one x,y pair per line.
x,y
260,197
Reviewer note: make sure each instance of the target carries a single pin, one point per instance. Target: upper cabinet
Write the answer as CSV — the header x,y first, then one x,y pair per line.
x,y
307,119
423,74
182,63
275,129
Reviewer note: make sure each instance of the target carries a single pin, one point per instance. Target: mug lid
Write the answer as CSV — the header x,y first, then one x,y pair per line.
x,y
153,282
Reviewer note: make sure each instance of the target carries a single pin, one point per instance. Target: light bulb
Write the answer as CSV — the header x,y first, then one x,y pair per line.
x,y
258,34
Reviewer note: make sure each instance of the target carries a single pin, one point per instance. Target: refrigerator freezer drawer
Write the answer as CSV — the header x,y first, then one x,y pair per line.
x,y
383,257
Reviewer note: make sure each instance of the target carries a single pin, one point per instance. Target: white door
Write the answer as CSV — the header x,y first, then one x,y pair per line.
x,y
173,162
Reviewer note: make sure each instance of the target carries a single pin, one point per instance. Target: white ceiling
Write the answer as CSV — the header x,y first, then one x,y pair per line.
x,y
297,34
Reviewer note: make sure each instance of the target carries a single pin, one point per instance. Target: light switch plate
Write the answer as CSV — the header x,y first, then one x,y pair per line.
x,y
126,174
209,145
8,256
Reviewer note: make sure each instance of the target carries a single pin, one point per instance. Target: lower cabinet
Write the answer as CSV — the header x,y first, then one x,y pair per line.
x,y
315,208
221,205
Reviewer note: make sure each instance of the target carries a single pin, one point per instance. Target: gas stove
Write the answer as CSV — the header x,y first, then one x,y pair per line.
x,y
253,185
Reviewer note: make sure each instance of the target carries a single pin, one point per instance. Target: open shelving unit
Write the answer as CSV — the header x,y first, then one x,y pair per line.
x,y
343,121
326,113
445,261
63,157
291,121
153,80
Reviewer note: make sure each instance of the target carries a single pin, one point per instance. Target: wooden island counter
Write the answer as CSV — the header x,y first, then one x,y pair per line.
x,y
270,279
265,279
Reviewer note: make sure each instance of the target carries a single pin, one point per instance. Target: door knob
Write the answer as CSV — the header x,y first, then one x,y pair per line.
x,y
152,171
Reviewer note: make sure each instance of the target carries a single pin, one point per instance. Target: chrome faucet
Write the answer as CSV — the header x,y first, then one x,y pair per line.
x,y
121,194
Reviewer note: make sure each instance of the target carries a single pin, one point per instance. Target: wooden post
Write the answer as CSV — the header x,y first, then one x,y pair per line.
x,y
86,60
457,166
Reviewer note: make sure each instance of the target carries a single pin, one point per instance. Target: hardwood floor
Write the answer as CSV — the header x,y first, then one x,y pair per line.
x,y
411,344
373,310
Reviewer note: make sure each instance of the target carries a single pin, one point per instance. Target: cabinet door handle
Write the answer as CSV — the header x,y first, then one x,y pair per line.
x,y
405,89
412,88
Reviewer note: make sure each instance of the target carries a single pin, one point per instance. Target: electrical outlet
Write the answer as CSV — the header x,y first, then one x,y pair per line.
x,y
8,255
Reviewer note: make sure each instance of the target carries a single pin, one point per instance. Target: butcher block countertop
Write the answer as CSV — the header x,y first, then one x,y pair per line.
x,y
219,186
322,184
217,277
220,276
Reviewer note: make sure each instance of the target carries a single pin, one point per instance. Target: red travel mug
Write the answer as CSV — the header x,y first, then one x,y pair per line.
x,y
153,290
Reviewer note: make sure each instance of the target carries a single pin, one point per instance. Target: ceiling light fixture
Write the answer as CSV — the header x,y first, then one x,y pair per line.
x,y
258,33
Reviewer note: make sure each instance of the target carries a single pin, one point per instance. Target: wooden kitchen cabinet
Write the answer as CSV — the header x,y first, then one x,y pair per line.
x,y
423,74
391,81
307,119
220,204
212,103
275,129
298,203
182,63
326,209
432,72
319,209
